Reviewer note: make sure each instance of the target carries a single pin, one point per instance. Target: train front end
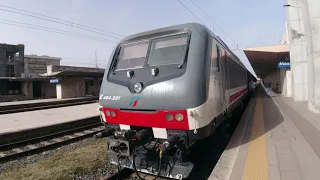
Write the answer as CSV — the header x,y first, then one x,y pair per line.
x,y
151,81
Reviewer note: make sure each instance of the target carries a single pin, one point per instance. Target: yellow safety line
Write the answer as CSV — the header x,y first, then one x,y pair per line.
x,y
257,164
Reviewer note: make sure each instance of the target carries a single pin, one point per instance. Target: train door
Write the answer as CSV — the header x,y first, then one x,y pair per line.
x,y
223,79
220,74
227,91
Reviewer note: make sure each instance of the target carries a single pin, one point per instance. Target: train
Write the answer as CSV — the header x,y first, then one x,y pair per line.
x,y
163,91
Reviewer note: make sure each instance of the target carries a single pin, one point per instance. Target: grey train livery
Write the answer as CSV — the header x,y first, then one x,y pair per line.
x,y
162,91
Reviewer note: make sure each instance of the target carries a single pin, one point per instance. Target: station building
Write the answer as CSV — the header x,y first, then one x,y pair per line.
x,y
25,77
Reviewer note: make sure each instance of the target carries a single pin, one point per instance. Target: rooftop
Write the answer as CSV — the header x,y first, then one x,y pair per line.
x,y
54,71
42,57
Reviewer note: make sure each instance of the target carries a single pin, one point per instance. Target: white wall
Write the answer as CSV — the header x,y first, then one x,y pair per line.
x,y
298,53
70,88
285,80
27,89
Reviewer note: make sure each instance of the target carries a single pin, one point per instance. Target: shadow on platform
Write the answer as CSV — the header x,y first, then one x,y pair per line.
x,y
207,152
271,115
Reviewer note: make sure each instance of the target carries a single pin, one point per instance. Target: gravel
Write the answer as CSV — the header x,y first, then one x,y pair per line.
x,y
100,172
44,155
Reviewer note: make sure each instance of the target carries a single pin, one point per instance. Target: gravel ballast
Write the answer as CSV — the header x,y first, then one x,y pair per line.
x,y
86,159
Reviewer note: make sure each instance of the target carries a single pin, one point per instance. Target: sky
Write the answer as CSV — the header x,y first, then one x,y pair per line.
x,y
240,23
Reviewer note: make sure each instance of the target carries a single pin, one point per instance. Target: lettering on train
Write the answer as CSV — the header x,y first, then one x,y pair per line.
x,y
113,98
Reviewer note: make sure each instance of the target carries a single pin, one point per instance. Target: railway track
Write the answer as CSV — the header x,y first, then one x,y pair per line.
x,y
35,145
130,174
40,107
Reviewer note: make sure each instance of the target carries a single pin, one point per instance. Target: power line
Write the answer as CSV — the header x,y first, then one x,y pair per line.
x,y
191,12
213,22
237,46
61,20
203,11
67,24
57,31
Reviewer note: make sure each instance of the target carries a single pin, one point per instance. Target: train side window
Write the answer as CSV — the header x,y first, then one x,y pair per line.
x,y
218,58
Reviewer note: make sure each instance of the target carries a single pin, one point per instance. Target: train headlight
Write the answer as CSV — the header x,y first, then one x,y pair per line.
x,y
169,117
107,113
179,117
113,114
137,87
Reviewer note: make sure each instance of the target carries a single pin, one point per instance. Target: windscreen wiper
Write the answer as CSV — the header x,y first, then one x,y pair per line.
x,y
114,62
185,56
182,64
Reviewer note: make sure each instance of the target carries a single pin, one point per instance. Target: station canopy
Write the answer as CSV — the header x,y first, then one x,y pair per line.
x,y
264,60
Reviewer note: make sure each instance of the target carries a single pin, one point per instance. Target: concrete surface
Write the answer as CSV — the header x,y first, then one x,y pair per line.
x,y
303,30
292,143
32,119
298,53
36,101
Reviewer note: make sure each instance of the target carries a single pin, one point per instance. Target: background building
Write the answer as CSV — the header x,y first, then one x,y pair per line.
x,y
34,64
11,60
25,77
11,66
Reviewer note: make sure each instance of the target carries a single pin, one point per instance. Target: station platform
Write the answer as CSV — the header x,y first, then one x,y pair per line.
x,y
21,121
39,101
276,139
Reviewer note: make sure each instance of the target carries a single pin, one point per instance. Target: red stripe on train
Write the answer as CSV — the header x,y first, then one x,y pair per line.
x,y
148,119
236,95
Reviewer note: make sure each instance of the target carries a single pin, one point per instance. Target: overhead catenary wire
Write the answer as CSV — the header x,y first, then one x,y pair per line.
x,y
214,23
63,22
203,12
191,12
237,46
10,21
57,31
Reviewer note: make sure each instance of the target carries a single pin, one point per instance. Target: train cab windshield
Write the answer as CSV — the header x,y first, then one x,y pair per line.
x,y
132,56
163,51
168,50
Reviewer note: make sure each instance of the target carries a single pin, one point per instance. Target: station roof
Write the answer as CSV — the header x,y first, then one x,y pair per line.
x,y
72,71
25,78
73,74
264,59
266,52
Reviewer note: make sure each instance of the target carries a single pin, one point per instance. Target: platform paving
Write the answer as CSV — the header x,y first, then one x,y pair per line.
x,y
34,101
290,142
35,119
